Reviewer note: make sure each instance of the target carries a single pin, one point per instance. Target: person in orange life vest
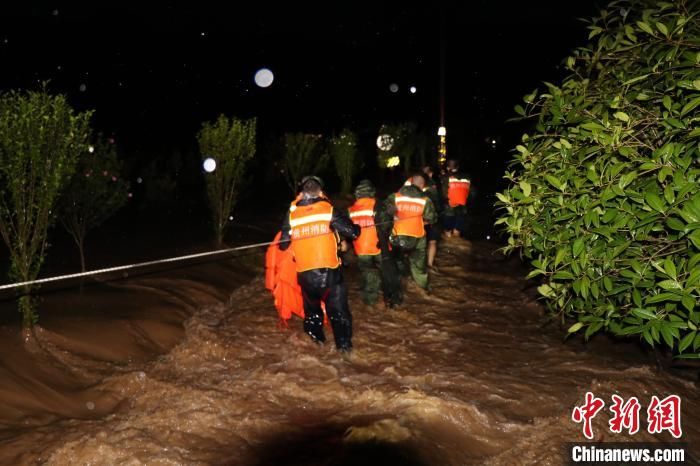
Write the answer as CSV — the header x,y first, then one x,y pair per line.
x,y
409,211
311,228
455,190
371,249
433,231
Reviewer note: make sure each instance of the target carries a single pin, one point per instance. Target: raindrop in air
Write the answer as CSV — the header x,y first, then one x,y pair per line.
x,y
264,77
209,165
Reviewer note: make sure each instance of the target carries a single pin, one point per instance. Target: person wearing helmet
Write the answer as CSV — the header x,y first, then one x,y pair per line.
x,y
372,249
455,187
312,228
408,211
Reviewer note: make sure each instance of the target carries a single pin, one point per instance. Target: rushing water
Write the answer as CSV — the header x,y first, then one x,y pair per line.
x,y
468,375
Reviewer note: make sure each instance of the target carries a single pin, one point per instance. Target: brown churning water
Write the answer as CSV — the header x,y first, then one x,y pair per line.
x,y
467,375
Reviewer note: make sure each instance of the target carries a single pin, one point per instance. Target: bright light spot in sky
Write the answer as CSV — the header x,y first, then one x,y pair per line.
x,y
139,180
264,77
83,88
493,141
393,87
413,89
91,149
393,161
488,236
209,165
231,218
385,142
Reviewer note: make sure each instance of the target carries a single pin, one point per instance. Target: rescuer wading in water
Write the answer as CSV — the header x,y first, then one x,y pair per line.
x,y
312,228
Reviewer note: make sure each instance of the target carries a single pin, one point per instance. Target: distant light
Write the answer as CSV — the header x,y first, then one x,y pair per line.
x,y
385,142
139,180
55,12
91,149
393,161
202,33
493,141
394,88
264,77
83,88
488,237
231,218
442,131
209,165
413,89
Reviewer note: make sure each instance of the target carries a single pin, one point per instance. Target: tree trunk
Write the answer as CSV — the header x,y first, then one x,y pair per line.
x,y
81,248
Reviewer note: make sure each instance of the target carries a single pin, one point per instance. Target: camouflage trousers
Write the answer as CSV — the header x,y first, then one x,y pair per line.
x,y
411,250
370,277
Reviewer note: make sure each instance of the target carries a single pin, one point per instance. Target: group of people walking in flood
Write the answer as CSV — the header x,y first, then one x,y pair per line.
x,y
391,238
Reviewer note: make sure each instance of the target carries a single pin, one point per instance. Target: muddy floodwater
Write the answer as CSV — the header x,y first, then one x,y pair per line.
x,y
471,374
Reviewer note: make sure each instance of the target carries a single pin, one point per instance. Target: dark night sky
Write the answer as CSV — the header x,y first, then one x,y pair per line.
x,y
154,71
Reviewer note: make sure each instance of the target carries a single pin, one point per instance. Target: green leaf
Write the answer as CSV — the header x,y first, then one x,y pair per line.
x,y
662,27
690,106
644,314
667,335
645,27
520,110
675,224
662,297
575,328
667,102
669,285
554,181
607,283
654,202
695,238
577,247
688,302
670,268
622,116
686,341
525,188
563,275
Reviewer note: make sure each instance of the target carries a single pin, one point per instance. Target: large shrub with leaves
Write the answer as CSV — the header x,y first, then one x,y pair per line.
x,y
343,151
604,195
231,142
41,139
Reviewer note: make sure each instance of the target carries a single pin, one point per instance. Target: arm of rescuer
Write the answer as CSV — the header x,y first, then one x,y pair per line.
x,y
430,216
340,223
384,222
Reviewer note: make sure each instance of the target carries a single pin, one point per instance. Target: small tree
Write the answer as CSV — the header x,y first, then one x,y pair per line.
x,y
604,195
303,155
343,150
41,138
96,192
231,143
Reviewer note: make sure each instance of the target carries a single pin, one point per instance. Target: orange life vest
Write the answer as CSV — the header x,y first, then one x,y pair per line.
x,y
313,242
458,191
408,220
362,213
281,280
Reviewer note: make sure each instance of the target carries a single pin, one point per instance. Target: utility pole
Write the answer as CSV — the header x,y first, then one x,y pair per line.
x,y
442,130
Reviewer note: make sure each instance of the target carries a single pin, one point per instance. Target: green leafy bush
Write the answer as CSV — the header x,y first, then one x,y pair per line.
x,y
343,150
41,138
604,195
304,155
231,143
96,192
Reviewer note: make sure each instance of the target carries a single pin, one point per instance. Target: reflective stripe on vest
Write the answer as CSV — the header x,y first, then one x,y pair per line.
x,y
408,220
313,242
458,191
362,213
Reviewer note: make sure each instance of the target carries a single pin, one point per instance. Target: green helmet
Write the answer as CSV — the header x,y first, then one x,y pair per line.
x,y
365,188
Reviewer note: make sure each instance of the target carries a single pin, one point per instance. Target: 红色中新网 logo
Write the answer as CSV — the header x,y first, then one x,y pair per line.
x,y
662,415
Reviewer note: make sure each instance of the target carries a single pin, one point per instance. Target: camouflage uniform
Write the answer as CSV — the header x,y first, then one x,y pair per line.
x,y
408,247
369,265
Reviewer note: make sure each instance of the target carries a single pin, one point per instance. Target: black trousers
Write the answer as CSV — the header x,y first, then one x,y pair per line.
x,y
326,285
